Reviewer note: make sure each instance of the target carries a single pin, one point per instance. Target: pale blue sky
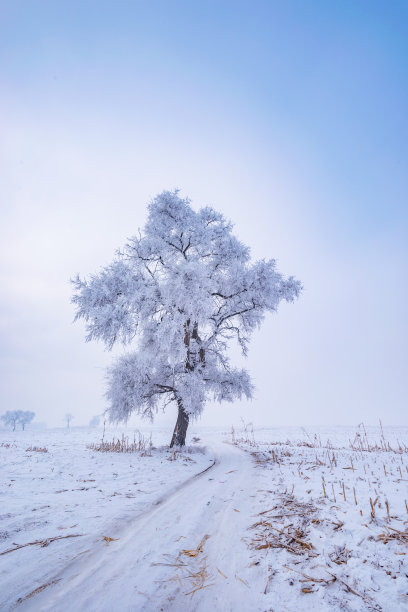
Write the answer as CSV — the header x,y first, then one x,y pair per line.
x,y
288,117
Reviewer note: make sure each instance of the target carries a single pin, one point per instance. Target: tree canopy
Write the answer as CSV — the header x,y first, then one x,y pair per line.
x,y
179,291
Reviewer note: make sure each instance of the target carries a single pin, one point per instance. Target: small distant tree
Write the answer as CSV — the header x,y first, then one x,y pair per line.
x,y
68,418
10,418
183,289
94,422
25,417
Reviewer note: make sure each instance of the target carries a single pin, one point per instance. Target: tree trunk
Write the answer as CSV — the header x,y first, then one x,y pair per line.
x,y
180,430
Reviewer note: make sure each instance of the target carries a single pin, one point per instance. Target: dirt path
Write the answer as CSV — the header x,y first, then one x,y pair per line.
x,y
157,562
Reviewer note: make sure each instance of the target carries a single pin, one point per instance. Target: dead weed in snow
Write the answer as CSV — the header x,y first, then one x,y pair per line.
x,y
272,531
393,535
195,551
140,445
327,480
36,591
42,543
191,568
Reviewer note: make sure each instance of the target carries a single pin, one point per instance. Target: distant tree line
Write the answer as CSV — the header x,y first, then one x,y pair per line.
x,y
12,418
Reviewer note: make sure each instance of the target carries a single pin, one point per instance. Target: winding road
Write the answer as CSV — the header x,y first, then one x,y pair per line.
x,y
157,563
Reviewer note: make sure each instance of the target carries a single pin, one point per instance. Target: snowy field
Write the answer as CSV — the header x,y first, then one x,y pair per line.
x,y
276,519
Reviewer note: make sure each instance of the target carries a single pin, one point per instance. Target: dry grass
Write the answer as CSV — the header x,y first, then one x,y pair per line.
x,y
195,551
373,472
108,539
36,449
361,443
394,535
191,568
246,436
293,538
37,590
140,445
41,543
328,581
340,555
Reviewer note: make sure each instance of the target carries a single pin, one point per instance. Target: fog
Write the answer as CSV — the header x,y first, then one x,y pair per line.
x,y
292,123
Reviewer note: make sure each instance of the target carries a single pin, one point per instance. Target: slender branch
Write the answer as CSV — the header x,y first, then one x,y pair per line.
x,y
227,297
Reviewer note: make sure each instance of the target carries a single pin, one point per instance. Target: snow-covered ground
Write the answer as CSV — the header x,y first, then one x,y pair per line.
x,y
71,489
281,521
332,526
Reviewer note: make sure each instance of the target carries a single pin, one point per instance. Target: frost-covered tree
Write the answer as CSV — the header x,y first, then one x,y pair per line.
x,y
25,417
68,418
10,418
180,291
